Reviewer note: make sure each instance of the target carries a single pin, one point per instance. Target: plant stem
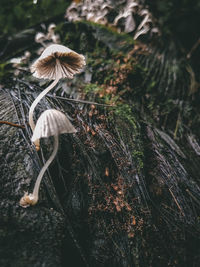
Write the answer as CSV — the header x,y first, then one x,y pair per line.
x,y
37,100
44,168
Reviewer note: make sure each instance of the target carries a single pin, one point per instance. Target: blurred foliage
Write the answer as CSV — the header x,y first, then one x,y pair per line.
x,y
18,15
178,19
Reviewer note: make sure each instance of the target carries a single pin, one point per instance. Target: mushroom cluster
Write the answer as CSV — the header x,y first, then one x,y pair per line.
x,y
132,15
45,39
55,63
95,11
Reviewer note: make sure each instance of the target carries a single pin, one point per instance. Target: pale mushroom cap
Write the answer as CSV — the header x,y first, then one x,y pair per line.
x,y
51,27
144,12
52,122
39,37
106,5
57,61
27,54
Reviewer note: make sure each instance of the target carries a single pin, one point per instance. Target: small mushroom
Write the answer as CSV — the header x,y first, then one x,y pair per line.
x,y
144,30
51,29
16,61
72,12
26,57
126,13
146,21
51,123
106,6
100,17
130,24
40,38
55,38
56,62
133,6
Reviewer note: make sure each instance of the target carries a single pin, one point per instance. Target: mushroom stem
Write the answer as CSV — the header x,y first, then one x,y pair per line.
x,y
34,104
44,168
32,199
43,44
37,100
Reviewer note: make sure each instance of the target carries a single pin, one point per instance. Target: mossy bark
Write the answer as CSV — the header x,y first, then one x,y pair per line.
x,y
123,191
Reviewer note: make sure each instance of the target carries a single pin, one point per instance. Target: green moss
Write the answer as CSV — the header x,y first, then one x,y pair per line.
x,y
91,88
126,123
124,112
98,93
87,36
109,36
138,156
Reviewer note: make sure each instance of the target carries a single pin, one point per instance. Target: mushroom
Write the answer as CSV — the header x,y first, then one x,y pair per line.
x,y
126,13
56,62
106,6
130,24
40,38
55,38
144,30
51,123
51,29
72,12
26,57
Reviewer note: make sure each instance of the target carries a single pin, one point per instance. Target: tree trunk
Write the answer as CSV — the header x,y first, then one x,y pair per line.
x,y
123,191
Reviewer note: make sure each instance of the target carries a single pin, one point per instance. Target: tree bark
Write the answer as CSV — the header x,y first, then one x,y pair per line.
x,y
122,192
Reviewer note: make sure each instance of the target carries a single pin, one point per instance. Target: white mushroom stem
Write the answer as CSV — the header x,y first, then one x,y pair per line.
x,y
32,199
37,100
34,104
44,168
43,44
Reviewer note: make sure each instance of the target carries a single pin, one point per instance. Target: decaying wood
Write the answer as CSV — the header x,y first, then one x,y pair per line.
x,y
121,192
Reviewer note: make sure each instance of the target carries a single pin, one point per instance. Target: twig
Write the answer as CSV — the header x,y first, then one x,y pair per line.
x,y
193,48
70,99
12,124
177,125
176,202
80,101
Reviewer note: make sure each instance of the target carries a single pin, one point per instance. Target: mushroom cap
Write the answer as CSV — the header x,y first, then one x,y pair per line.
x,y
51,123
51,27
39,37
57,61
